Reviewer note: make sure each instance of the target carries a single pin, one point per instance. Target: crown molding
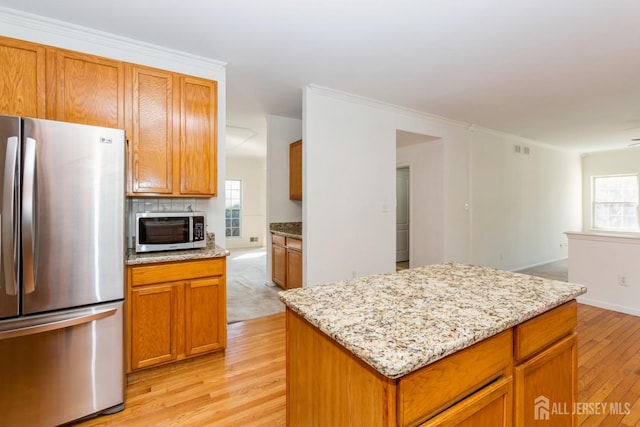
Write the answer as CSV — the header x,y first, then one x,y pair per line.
x,y
469,127
40,29
349,97
522,139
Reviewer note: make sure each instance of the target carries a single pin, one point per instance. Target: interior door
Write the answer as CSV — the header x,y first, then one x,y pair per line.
x,y
402,214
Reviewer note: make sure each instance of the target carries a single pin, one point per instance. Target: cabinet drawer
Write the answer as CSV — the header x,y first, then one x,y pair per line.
x,y
534,335
435,387
490,406
294,243
171,272
278,240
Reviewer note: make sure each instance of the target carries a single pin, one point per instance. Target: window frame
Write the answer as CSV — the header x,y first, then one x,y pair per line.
x,y
231,209
595,203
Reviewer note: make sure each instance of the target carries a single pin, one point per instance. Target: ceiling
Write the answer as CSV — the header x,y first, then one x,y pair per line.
x,y
565,73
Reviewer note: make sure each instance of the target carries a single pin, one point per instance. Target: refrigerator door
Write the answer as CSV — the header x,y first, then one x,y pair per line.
x,y
59,367
9,205
72,215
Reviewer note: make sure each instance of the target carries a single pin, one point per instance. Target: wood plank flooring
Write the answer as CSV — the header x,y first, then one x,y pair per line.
x,y
245,386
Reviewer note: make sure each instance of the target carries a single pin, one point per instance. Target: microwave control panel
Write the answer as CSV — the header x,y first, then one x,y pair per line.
x,y
198,228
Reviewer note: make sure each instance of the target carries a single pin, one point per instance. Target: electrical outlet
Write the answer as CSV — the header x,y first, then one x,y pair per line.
x,y
622,280
253,239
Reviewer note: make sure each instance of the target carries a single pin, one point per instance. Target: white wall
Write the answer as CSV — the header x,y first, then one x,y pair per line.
x,y
68,36
426,201
281,131
521,204
252,172
600,262
349,184
489,204
613,162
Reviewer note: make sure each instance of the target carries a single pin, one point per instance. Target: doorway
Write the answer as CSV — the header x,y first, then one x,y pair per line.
x,y
402,217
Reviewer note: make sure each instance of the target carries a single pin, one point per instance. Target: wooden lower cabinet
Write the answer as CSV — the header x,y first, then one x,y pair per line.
x,y
286,261
203,332
546,386
499,381
155,324
546,368
279,264
174,311
491,406
294,268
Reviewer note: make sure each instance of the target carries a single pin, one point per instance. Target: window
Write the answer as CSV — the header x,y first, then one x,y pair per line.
x,y
233,206
615,202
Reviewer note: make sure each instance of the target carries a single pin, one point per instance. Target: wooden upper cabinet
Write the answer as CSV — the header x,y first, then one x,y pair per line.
x,y
85,89
150,107
22,78
170,118
198,134
295,170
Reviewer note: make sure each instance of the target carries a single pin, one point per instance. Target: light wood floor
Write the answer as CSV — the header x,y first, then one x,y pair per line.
x,y
246,385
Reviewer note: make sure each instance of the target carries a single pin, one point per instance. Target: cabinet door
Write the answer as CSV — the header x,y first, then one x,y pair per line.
x,y
295,170
205,312
198,135
546,386
150,107
279,265
87,89
294,269
22,79
490,406
155,324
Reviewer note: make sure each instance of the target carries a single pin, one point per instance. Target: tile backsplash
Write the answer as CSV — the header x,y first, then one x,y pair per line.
x,y
164,204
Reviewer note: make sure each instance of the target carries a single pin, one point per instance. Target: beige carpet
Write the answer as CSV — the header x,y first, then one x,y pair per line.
x,y
558,270
249,294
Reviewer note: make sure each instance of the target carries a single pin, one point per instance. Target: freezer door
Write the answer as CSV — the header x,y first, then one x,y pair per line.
x,y
9,216
73,248
56,368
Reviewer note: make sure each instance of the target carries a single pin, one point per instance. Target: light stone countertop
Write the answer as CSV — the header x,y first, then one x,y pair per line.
x,y
180,255
287,229
398,323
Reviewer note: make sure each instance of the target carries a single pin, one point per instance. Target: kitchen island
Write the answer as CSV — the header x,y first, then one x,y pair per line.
x,y
441,345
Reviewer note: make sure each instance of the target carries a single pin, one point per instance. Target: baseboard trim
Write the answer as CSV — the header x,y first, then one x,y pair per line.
x,y
538,264
609,306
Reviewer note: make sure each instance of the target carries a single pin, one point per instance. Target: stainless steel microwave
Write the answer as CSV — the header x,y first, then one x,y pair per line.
x,y
168,231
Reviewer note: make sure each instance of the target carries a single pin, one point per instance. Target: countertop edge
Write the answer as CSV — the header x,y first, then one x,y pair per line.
x,y
285,234
175,256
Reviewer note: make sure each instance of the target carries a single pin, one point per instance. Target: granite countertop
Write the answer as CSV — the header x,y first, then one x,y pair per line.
x,y
398,323
287,229
181,255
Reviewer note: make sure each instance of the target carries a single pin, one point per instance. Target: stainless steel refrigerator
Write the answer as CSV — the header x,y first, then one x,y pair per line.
x,y
62,255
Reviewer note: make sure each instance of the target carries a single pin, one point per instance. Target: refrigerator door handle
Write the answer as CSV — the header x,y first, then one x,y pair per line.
x,y
29,242
56,324
8,226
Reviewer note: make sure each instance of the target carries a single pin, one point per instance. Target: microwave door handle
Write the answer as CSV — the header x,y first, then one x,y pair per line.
x,y
29,242
8,226
190,228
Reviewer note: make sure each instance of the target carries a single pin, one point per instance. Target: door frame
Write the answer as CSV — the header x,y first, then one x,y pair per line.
x,y
410,167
